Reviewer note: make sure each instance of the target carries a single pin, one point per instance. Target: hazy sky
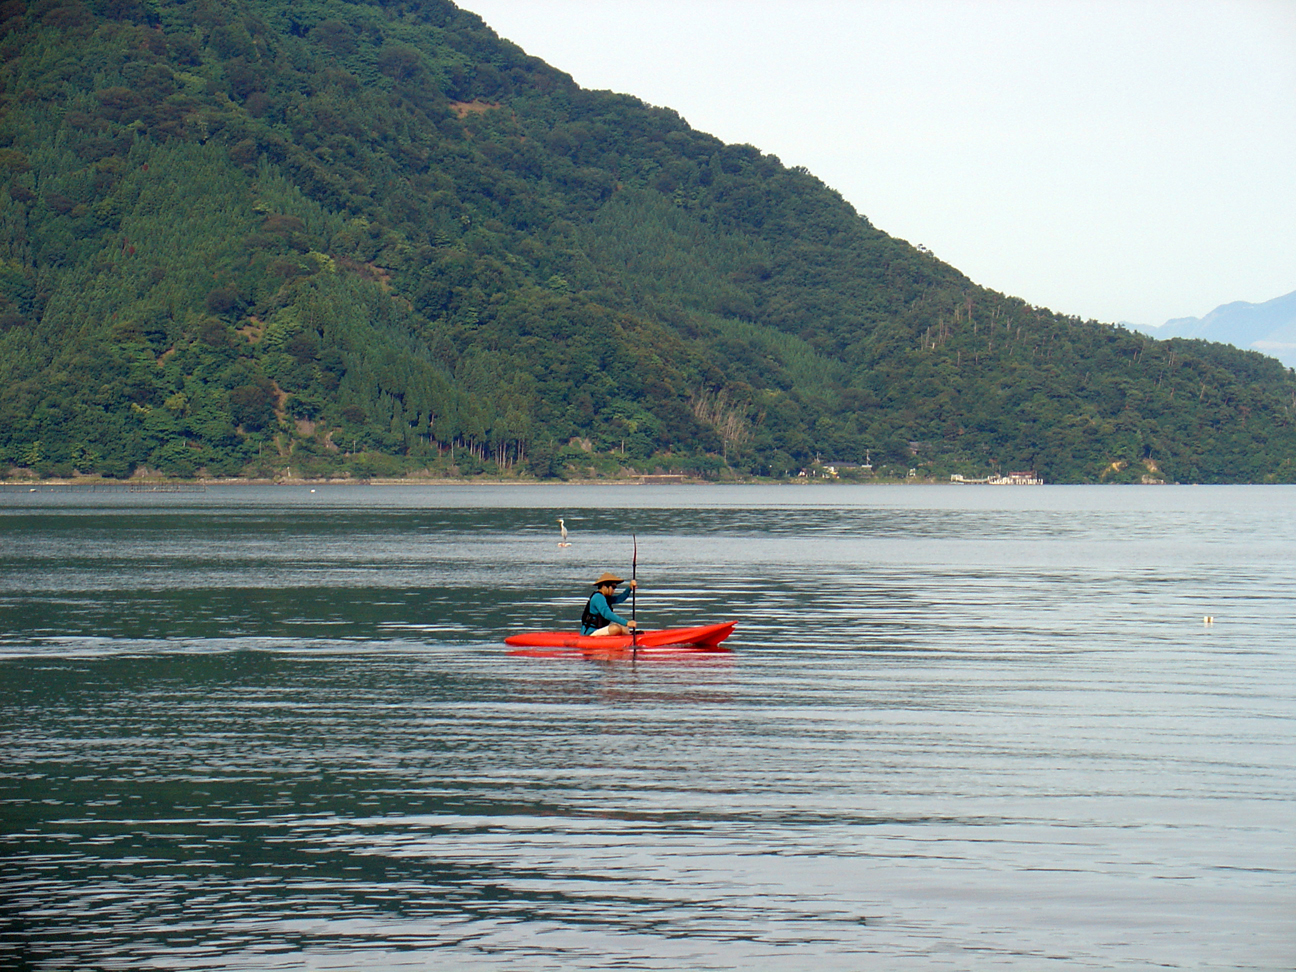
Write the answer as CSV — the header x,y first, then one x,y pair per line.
x,y
1132,160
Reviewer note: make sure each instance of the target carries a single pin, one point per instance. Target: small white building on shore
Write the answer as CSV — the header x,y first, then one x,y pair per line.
x,y
1012,479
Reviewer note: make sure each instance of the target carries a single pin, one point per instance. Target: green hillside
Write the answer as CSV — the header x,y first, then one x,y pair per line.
x,y
369,238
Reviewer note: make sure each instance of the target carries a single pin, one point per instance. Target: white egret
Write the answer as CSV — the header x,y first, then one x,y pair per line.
x,y
562,528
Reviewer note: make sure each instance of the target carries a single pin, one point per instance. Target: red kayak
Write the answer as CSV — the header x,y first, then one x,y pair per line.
x,y
569,644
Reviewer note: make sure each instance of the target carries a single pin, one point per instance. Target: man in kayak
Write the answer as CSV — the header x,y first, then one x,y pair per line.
x,y
598,618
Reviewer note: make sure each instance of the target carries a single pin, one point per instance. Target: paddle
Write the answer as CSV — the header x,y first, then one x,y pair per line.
x,y
634,625
634,590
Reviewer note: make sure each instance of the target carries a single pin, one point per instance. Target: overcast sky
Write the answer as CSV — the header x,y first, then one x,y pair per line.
x,y
1131,160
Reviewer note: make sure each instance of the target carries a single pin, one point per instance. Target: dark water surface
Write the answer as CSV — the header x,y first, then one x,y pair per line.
x,y
962,728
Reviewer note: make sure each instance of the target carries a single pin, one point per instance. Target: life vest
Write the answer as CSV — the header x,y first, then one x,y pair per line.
x,y
591,620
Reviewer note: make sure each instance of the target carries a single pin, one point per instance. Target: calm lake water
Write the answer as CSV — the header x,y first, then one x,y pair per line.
x,y
961,728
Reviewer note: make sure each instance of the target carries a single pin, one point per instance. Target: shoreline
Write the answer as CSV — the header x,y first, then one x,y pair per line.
x,y
143,484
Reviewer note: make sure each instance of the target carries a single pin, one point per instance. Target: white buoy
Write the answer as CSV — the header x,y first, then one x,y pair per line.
x,y
562,528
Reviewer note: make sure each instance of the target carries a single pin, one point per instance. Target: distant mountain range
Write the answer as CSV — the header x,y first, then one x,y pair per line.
x,y
1269,328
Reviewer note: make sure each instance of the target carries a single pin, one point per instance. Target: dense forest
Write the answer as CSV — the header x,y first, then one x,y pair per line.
x,y
370,237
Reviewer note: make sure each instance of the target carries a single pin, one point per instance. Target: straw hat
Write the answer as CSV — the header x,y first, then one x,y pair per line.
x,y
606,578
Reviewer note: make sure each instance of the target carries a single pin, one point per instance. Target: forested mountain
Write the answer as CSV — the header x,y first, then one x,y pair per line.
x,y
244,236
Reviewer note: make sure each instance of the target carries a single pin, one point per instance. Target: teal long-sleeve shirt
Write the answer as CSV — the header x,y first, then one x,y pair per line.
x,y
600,607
